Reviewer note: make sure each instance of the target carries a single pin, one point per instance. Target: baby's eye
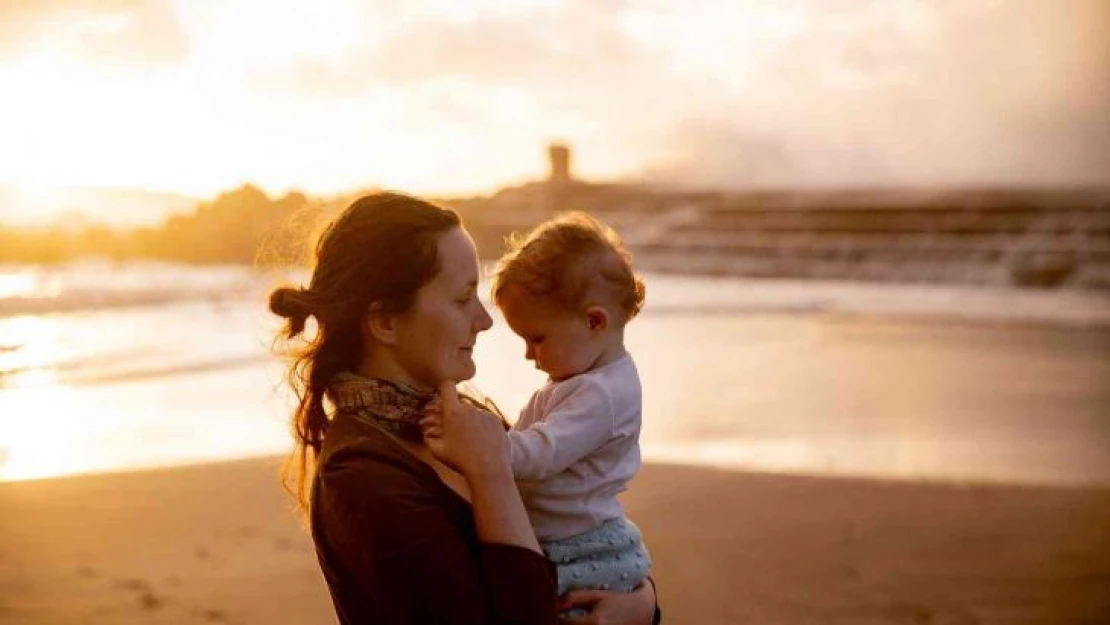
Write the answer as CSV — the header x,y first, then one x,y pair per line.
x,y
536,340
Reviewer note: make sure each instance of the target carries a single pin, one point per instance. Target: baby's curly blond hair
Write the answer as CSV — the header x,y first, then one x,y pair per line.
x,y
572,261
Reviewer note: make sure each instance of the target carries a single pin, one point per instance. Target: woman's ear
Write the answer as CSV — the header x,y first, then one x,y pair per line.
x,y
597,318
379,325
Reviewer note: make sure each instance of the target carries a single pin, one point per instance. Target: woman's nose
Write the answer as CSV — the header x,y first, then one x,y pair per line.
x,y
529,353
484,321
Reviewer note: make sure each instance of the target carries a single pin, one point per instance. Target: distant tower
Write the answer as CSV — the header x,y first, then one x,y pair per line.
x,y
559,155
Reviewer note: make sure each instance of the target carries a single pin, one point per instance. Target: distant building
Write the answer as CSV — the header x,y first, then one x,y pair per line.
x,y
559,156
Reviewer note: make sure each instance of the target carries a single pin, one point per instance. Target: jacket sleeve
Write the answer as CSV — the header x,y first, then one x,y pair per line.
x,y
579,422
403,551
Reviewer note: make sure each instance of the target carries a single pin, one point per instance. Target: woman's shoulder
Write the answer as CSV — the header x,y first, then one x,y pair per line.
x,y
367,479
359,451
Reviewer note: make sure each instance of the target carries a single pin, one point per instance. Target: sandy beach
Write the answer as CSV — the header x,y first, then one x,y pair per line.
x,y
220,543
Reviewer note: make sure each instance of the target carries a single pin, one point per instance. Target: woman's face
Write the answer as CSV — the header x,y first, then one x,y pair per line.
x,y
435,340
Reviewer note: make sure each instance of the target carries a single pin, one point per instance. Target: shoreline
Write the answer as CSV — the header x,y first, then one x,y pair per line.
x,y
672,462
221,543
659,458
901,301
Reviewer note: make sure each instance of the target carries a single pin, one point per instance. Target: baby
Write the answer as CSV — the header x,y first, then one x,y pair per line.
x,y
568,290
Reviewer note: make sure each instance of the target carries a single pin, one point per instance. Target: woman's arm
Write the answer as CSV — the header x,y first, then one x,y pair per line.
x,y
499,513
392,550
475,445
467,439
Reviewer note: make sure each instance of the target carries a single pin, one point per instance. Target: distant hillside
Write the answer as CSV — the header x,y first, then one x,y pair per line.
x,y
114,208
1044,238
1019,237
240,226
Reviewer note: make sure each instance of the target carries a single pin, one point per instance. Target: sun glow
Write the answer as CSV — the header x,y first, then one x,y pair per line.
x,y
444,97
302,103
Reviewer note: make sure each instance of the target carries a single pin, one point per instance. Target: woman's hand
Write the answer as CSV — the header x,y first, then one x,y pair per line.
x,y
608,607
474,443
467,439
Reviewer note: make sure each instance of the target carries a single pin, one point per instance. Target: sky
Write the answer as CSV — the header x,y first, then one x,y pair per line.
x,y
446,97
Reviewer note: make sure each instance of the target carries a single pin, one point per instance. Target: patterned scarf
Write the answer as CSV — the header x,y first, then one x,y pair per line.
x,y
396,408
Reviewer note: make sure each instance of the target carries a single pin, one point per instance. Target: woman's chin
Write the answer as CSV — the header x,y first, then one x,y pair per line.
x,y
464,371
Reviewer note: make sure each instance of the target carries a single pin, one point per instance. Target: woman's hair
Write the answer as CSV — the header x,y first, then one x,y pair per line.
x,y
379,251
572,261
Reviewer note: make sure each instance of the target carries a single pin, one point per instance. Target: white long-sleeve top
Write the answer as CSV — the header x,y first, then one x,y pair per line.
x,y
576,446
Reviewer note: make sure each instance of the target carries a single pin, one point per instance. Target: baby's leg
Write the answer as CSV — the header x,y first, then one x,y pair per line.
x,y
609,557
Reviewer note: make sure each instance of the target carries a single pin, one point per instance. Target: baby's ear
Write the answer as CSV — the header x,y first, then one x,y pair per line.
x,y
597,318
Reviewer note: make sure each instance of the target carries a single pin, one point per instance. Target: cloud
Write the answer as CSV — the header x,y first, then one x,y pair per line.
x,y
962,94
543,49
713,92
802,92
552,46
119,33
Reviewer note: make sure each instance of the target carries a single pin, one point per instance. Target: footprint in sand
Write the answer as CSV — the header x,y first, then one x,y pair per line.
x,y
904,613
213,615
148,599
131,584
86,572
246,531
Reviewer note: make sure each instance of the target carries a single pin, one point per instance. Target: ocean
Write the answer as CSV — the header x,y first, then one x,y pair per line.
x,y
107,367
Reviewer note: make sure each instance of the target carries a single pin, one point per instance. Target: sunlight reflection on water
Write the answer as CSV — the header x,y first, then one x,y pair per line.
x,y
193,381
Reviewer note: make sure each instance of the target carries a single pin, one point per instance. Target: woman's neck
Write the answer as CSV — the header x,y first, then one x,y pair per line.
x,y
451,479
382,368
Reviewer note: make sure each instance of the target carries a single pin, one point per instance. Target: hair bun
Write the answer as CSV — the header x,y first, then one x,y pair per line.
x,y
290,303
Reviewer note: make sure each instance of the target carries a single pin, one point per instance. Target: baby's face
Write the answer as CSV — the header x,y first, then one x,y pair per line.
x,y
560,343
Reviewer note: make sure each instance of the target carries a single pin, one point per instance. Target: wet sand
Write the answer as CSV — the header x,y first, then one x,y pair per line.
x,y
220,543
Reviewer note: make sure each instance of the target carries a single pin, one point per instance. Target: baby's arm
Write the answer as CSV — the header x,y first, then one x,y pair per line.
x,y
577,423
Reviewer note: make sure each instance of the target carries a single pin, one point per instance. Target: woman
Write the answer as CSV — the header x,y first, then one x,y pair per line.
x,y
407,531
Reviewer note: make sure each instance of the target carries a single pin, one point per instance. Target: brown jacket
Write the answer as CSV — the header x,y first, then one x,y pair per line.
x,y
398,547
